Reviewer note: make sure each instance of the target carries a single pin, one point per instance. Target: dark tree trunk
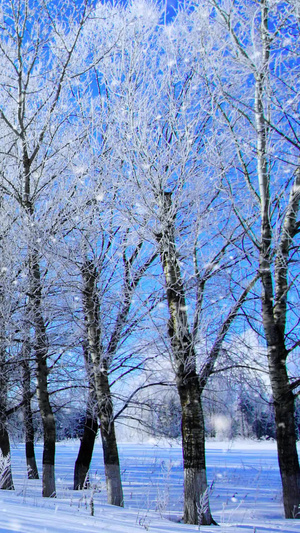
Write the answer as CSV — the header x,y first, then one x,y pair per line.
x,y
38,322
41,352
275,288
196,493
109,442
98,372
83,461
274,320
48,420
287,452
32,470
190,384
284,407
6,480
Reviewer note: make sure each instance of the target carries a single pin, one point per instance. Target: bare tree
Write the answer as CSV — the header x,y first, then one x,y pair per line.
x,y
254,86
190,380
102,340
35,59
160,156
100,379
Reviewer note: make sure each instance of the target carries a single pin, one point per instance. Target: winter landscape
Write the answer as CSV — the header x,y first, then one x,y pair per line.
x,y
245,498
149,265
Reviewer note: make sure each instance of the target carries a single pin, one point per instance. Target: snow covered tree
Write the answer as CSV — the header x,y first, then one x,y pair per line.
x,y
250,52
159,155
35,102
109,285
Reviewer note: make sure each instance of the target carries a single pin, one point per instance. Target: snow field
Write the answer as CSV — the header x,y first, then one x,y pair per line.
x,y
245,497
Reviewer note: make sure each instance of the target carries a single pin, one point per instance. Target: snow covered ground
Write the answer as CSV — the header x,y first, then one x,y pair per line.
x,y
246,494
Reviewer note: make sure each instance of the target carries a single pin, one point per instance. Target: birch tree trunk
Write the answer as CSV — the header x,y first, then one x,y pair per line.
x,y
99,366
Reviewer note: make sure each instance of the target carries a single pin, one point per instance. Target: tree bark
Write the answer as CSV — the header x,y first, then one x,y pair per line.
x,y
283,401
196,492
41,351
32,470
109,441
6,480
83,461
99,375
274,308
284,406
48,421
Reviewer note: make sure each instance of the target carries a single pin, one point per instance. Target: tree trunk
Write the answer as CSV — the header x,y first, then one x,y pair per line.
x,y
274,252
287,444
41,351
32,470
83,461
48,427
196,493
109,441
283,397
274,309
99,375
284,407
6,480
39,324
